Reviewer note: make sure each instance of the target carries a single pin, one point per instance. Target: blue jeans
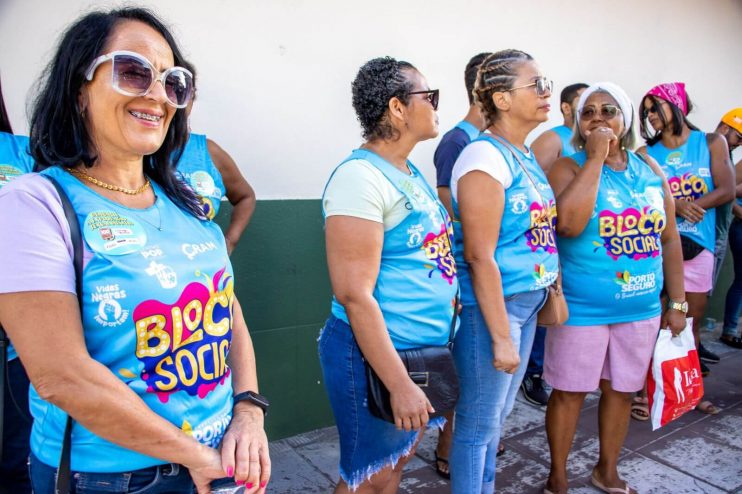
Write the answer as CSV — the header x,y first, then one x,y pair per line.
x,y
487,395
162,479
536,361
733,302
16,432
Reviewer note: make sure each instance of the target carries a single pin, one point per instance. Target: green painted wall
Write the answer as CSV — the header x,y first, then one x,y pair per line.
x,y
283,286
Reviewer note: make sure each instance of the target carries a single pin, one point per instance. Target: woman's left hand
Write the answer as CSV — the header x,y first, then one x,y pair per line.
x,y
244,448
674,320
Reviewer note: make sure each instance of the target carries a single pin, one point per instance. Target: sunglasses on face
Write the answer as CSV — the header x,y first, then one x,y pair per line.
x,y
134,75
432,95
606,112
655,108
542,84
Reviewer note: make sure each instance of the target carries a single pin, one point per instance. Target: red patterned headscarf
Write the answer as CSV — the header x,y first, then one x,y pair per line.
x,y
672,92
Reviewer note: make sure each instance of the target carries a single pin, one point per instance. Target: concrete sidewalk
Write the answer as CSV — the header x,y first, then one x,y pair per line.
x,y
695,454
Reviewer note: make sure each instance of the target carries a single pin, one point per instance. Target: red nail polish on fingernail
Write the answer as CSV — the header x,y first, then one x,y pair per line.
x,y
240,482
263,483
230,472
249,485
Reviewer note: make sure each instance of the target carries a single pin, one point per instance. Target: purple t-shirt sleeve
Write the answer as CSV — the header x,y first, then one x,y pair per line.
x,y
35,245
446,154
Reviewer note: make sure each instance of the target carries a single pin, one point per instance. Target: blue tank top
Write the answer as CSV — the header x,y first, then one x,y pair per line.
x,y
526,250
199,171
158,295
471,131
613,269
688,171
417,283
565,135
14,161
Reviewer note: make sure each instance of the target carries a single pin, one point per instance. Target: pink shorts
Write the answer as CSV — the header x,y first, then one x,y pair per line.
x,y
578,357
698,272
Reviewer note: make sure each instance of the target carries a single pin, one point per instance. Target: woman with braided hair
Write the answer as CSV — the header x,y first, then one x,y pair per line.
x,y
392,271
506,253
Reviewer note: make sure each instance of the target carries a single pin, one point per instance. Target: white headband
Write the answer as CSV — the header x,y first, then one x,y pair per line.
x,y
622,100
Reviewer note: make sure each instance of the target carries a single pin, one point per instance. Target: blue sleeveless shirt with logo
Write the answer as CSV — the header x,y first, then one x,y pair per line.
x,y
471,131
688,171
526,250
158,298
199,171
565,135
14,161
612,271
417,283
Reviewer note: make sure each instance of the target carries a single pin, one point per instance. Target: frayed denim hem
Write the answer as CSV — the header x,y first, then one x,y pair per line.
x,y
355,479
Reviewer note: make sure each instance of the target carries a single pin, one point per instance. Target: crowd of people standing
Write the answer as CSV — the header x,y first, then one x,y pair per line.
x,y
131,353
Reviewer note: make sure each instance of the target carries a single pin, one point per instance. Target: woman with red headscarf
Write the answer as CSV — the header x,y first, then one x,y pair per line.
x,y
701,178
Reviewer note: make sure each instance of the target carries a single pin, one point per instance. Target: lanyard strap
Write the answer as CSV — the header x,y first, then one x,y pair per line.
x,y
505,143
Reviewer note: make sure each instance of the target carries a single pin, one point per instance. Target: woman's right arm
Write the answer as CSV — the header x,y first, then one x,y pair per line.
x,y
576,188
481,199
46,330
353,258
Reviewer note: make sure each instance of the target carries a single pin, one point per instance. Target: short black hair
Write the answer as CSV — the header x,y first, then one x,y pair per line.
x,y
470,73
4,120
678,119
59,135
378,81
569,93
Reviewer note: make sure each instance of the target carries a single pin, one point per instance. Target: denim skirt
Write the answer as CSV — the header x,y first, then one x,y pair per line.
x,y
367,444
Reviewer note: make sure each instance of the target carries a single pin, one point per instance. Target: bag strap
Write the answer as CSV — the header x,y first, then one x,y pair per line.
x,y
63,473
505,143
453,319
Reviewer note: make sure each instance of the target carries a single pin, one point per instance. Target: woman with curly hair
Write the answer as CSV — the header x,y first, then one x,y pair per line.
x,y
392,272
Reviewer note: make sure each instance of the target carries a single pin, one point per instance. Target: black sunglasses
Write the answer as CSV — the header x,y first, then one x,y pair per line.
x,y
432,95
655,108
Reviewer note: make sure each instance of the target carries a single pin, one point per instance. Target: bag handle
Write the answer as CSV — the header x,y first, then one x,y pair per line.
x,y
63,473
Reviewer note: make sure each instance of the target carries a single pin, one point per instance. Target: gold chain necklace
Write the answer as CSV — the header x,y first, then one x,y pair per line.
x,y
104,185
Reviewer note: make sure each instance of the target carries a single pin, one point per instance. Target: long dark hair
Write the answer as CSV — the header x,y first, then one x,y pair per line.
x,y
4,120
58,132
678,119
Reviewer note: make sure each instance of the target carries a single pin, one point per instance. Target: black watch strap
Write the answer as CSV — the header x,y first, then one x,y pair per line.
x,y
256,399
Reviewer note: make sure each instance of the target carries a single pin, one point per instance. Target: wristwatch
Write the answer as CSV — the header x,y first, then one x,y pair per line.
x,y
681,306
256,399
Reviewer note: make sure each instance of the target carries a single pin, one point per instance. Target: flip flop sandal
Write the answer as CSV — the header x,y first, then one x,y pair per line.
x,y
708,408
610,490
732,341
640,409
438,461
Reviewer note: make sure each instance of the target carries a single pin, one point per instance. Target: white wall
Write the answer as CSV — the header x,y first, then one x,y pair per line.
x,y
274,83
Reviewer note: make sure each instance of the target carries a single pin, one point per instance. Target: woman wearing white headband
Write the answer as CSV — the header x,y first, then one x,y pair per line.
x,y
617,240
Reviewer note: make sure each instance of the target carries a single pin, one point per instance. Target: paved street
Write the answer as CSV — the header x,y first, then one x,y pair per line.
x,y
696,454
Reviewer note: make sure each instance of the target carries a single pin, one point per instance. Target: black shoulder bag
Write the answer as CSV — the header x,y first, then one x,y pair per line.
x,y
432,368
63,473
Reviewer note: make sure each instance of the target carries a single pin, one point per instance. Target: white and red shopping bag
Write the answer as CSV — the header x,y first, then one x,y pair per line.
x,y
674,382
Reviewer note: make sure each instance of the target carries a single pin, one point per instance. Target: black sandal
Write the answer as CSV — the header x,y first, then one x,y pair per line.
x,y
438,461
732,341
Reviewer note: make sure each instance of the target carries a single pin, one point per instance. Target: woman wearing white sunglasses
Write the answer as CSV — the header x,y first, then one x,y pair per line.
x,y
147,364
